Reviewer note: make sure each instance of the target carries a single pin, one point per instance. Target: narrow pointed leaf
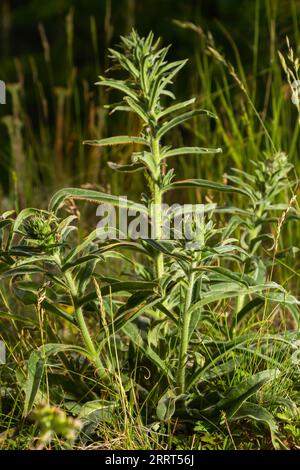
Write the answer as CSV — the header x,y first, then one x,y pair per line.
x,y
205,184
92,196
191,151
118,140
181,119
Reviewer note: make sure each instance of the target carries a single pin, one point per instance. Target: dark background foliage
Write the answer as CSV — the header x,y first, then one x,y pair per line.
x,y
55,49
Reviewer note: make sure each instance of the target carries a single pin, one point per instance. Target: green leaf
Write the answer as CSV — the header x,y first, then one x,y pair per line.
x,y
118,85
125,62
137,109
135,336
10,316
92,196
131,168
238,394
257,302
229,290
166,405
118,287
191,151
26,291
52,307
205,184
146,159
256,412
117,140
130,315
260,414
35,369
182,118
102,407
176,107
22,270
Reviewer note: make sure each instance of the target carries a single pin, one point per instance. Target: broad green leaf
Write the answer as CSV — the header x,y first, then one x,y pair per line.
x,y
257,413
239,394
125,62
35,369
26,291
166,405
56,309
103,408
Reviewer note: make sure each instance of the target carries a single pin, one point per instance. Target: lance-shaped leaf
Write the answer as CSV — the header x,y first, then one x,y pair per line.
x,y
182,118
135,107
134,335
117,140
54,308
93,196
238,394
125,62
191,151
176,107
118,85
35,369
231,290
257,413
129,315
130,168
117,287
205,184
22,270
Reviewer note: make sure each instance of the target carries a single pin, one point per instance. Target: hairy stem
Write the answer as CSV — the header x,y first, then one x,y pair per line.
x,y
87,339
157,199
185,333
252,235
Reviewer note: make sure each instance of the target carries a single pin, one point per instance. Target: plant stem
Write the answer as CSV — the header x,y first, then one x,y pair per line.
x,y
254,232
185,333
157,198
89,344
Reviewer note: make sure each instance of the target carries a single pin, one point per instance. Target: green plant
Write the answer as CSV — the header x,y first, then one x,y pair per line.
x,y
174,317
